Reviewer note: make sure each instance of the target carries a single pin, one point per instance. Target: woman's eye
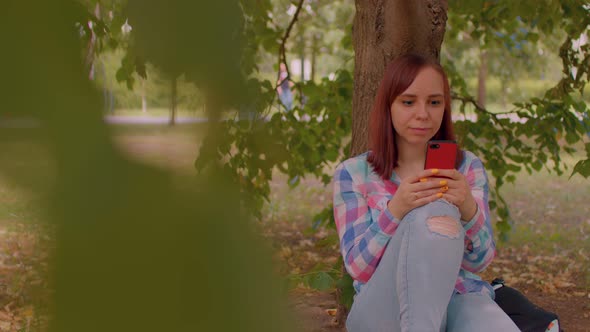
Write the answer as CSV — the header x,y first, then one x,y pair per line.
x,y
436,102
407,102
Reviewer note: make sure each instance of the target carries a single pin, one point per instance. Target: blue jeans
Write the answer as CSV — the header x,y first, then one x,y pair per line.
x,y
412,288
286,98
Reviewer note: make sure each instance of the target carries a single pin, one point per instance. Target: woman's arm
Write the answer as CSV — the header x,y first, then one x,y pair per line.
x,y
362,239
480,247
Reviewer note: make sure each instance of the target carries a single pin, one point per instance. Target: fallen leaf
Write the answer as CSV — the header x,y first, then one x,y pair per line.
x,y
285,252
563,284
305,243
331,312
312,256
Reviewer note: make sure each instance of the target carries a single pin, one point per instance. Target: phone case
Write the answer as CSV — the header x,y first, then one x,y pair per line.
x,y
441,155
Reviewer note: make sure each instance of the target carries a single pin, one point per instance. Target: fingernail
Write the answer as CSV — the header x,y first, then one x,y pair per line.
x,y
434,170
443,182
439,195
423,180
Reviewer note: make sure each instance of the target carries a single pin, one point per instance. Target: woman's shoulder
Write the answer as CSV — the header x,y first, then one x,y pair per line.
x,y
469,156
470,160
355,165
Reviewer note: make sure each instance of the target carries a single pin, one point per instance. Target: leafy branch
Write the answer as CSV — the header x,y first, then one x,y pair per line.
x,y
529,136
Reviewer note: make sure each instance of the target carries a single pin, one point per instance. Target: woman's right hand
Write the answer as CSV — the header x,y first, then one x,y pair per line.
x,y
417,190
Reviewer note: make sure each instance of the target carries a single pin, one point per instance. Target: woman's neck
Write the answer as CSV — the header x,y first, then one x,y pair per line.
x,y
410,156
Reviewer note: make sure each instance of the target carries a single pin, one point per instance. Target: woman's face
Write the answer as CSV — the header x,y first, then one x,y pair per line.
x,y
417,113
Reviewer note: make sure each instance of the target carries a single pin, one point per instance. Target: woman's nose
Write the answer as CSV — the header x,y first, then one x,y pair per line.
x,y
422,111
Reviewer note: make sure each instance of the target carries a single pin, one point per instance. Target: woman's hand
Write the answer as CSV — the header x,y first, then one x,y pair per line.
x,y
458,192
416,191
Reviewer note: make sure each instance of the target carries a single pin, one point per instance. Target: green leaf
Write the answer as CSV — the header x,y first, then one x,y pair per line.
x,y
582,167
346,290
121,75
321,281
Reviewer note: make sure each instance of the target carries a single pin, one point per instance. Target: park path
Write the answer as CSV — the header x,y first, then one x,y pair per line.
x,y
129,119
28,122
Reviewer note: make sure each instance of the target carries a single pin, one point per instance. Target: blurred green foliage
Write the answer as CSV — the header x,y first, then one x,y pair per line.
x,y
133,252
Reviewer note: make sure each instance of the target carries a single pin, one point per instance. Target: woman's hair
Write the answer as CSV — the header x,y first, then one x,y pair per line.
x,y
398,76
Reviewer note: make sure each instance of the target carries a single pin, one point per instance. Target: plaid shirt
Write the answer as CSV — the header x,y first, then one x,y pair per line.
x,y
365,224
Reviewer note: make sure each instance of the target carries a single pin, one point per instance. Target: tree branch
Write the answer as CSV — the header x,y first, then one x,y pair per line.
x,y
282,48
471,100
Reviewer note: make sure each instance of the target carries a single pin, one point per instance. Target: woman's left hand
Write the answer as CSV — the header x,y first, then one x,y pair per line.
x,y
458,192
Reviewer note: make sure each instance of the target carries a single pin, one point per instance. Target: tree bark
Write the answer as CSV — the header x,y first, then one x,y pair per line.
x,y
383,30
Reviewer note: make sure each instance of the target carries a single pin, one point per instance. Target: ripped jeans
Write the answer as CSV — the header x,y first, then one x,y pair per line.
x,y
412,288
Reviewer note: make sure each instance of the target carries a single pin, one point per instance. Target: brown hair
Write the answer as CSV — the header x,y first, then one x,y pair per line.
x,y
398,76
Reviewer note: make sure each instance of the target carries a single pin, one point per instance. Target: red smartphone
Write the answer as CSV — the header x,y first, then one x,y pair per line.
x,y
441,154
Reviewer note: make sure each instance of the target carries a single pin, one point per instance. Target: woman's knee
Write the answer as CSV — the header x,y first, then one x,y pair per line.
x,y
445,225
440,217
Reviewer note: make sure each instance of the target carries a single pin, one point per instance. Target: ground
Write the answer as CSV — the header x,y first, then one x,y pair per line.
x,y
557,293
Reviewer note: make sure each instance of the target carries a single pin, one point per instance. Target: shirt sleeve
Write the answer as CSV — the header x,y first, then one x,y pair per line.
x,y
480,247
362,239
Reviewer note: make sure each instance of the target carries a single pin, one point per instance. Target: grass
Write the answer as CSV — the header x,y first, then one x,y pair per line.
x,y
535,200
551,217
168,147
28,168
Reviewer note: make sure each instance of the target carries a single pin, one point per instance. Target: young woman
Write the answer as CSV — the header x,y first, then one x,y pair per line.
x,y
413,239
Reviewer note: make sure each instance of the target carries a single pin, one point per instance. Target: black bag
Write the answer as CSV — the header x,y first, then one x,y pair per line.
x,y
525,314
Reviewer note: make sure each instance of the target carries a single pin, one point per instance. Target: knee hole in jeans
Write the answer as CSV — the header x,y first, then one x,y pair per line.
x,y
444,225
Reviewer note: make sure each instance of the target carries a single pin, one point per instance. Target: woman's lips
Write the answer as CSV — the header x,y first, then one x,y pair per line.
x,y
420,130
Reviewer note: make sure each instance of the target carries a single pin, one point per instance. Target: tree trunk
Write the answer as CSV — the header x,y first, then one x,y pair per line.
x,y
302,56
481,78
173,102
143,99
314,51
89,61
383,30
